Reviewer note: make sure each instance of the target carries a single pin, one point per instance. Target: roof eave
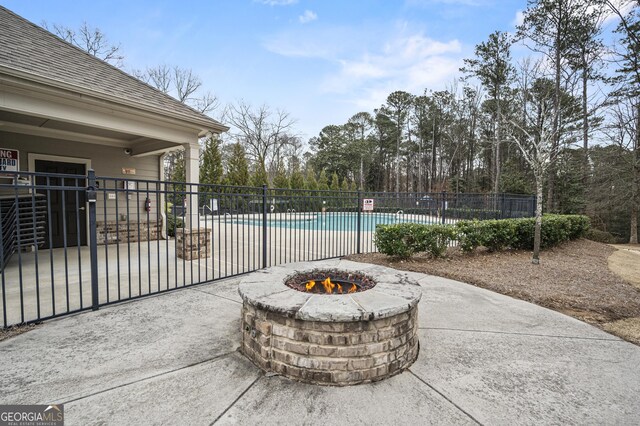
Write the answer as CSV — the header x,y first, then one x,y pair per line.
x,y
206,125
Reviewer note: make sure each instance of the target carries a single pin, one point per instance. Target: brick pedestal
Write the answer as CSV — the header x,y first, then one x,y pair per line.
x,y
338,353
330,339
193,243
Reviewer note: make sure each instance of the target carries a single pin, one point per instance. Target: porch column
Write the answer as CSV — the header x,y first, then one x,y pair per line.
x,y
192,242
192,174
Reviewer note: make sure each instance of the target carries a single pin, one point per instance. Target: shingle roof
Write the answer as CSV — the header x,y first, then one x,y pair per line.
x,y
29,48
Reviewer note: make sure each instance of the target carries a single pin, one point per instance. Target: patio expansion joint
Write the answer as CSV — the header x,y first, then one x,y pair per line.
x,y
612,339
445,397
236,400
215,358
215,295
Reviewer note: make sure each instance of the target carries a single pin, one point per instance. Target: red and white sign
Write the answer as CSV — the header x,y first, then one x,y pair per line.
x,y
367,205
9,161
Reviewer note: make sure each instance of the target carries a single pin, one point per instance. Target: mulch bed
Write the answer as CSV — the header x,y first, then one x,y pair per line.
x,y
573,279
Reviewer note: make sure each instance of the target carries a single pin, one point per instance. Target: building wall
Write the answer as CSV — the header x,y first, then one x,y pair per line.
x,y
107,162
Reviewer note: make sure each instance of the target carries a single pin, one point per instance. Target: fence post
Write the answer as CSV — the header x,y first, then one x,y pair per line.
x,y
444,206
264,226
502,207
359,219
93,239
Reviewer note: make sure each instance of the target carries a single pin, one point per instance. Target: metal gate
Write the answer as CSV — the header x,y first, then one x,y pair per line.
x,y
147,236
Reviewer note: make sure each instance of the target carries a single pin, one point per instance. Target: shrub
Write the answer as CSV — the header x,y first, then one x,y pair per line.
x,y
555,229
173,223
436,238
600,236
395,240
405,239
493,234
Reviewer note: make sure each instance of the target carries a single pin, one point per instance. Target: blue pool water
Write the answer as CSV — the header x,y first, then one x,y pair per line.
x,y
339,221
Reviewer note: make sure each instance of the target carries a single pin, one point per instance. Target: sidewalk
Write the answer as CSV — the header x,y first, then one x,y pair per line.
x,y
172,359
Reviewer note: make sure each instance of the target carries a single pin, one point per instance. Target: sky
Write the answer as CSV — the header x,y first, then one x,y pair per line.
x,y
321,60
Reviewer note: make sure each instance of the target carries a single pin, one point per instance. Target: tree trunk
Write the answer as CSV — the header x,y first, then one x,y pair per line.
x,y
496,183
556,120
537,234
433,158
635,184
585,124
361,173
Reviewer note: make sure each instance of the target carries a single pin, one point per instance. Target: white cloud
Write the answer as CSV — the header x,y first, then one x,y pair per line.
x,y
518,19
411,63
307,17
365,65
277,2
329,43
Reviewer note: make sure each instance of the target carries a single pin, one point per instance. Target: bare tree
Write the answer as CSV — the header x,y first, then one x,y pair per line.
x,y
89,39
262,131
535,134
181,83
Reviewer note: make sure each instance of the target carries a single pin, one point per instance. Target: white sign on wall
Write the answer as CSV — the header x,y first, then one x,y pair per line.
x,y
367,205
9,161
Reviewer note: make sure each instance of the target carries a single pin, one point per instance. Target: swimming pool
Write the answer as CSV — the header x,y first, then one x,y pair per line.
x,y
337,221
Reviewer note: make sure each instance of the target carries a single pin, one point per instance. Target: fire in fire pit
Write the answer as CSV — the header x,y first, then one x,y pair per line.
x,y
330,281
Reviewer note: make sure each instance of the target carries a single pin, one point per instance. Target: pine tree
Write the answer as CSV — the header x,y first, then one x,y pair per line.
x,y
492,66
297,179
310,180
211,162
628,80
238,168
323,181
345,184
281,180
335,182
259,176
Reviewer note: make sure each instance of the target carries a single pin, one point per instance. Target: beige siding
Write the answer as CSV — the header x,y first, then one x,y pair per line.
x,y
107,162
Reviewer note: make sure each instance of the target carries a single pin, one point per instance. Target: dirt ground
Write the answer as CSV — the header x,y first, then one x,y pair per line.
x,y
574,279
6,333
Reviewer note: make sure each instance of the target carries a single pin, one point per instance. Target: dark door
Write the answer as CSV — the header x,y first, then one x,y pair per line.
x,y
68,206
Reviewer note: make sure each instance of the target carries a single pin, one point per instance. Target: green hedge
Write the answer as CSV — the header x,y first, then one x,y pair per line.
x,y
406,239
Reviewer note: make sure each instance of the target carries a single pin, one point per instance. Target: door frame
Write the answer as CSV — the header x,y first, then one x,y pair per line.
x,y
32,157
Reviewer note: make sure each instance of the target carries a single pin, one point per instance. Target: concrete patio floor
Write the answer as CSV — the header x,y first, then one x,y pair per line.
x,y
172,359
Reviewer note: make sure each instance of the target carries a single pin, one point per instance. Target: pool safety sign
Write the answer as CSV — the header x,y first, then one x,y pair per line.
x,y
367,205
9,160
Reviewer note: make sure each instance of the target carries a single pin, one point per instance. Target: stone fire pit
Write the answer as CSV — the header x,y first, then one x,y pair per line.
x,y
331,339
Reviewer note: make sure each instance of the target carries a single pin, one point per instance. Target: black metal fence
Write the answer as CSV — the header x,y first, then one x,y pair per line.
x,y
75,242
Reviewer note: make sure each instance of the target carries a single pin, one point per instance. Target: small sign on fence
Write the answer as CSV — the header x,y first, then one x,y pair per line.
x,y
367,205
9,160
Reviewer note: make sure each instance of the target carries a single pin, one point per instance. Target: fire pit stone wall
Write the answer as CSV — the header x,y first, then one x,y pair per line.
x,y
330,339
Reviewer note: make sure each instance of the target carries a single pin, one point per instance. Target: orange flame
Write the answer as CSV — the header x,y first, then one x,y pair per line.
x,y
328,285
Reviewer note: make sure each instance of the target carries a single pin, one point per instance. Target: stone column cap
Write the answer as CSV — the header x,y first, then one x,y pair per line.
x,y
394,293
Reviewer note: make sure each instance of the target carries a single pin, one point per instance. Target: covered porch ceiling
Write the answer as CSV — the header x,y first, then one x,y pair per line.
x,y
55,128
75,114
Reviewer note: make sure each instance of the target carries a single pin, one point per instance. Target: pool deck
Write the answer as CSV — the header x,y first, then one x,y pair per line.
x,y
173,359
